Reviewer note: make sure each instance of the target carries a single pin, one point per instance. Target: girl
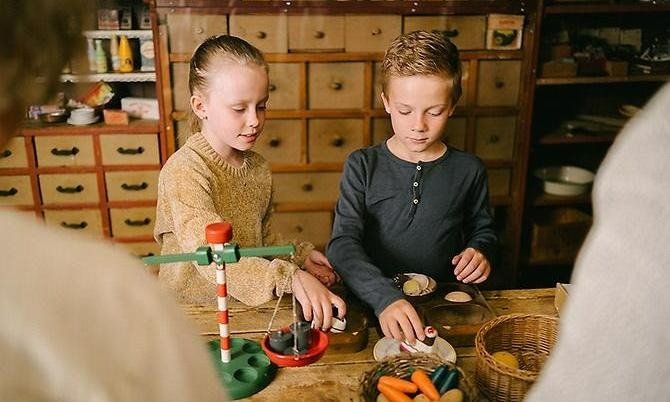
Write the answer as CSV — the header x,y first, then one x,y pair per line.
x,y
216,177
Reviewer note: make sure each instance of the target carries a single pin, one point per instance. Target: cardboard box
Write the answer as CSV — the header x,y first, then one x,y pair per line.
x,y
108,18
116,117
560,296
504,31
141,108
147,55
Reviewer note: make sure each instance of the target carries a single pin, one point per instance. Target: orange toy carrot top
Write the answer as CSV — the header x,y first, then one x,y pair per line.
x,y
421,379
392,394
405,386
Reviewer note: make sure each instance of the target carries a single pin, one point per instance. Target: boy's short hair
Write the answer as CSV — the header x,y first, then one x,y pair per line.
x,y
423,53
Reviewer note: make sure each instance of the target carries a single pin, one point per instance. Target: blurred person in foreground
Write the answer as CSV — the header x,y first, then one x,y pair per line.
x,y
614,337
79,321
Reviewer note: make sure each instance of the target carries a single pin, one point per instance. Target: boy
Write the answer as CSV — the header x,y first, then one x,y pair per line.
x,y
412,204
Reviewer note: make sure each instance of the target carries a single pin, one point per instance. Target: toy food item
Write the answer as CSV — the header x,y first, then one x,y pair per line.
x,y
458,296
453,395
421,398
425,346
411,287
381,398
506,358
421,379
392,394
405,386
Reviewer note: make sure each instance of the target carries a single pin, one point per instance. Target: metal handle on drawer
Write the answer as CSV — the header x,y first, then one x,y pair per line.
x,y
130,151
8,193
376,31
70,190
274,142
336,85
494,139
319,34
135,187
499,83
307,187
450,33
261,35
6,153
65,152
337,141
143,222
272,87
80,225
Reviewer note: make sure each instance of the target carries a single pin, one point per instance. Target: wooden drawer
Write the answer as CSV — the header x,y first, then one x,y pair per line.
x,y
183,131
377,86
499,181
315,32
498,83
15,190
132,185
336,85
314,227
85,221
186,31
13,154
69,188
280,141
130,222
331,140
465,79
455,132
68,150
381,129
284,86
181,96
269,33
129,149
306,187
465,31
370,33
495,137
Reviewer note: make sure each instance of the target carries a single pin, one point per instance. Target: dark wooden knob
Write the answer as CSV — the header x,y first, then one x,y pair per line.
x,y
376,31
336,85
307,187
319,34
274,142
261,35
499,83
272,87
337,141
494,139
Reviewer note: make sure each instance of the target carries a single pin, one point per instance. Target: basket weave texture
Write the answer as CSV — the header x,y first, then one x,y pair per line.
x,y
529,337
402,365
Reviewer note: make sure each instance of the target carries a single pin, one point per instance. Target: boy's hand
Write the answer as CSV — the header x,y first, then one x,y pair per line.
x,y
400,321
471,266
318,265
316,300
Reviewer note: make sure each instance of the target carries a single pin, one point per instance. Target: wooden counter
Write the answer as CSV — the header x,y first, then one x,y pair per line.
x,y
336,376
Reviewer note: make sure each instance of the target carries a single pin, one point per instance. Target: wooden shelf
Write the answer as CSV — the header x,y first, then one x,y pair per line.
x,y
129,33
604,8
602,80
138,76
139,126
543,199
566,139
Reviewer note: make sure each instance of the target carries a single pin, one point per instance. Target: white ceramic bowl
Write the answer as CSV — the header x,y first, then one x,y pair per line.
x,y
565,180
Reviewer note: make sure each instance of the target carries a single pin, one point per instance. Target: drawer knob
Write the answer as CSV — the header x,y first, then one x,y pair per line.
x,y
8,193
450,33
337,141
135,187
499,83
261,35
376,31
494,139
80,225
336,85
272,87
142,222
199,30
70,190
319,34
274,142
307,187
65,152
130,151
298,229
6,153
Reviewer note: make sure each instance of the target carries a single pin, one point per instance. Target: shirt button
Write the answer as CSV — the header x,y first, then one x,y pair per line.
x,y
416,201
415,184
418,168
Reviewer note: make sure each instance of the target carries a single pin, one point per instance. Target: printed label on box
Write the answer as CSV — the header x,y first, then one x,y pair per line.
x,y
504,31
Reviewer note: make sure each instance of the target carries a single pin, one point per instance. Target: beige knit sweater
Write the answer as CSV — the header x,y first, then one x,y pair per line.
x,y
197,187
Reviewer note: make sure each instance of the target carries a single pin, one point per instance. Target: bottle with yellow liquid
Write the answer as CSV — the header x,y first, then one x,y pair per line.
x,y
125,55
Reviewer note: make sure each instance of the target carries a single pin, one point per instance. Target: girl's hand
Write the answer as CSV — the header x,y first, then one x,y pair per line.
x,y
471,266
401,322
316,300
318,265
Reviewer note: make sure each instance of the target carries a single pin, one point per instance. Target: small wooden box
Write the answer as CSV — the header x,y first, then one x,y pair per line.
x,y
557,234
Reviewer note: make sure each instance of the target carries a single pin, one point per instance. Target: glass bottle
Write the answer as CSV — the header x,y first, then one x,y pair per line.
x,y
125,55
92,66
114,53
100,57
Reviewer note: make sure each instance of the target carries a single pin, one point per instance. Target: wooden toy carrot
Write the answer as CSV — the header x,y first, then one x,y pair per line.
x,y
421,379
405,386
392,394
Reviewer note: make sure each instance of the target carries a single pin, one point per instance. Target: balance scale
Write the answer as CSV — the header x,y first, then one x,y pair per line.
x,y
244,366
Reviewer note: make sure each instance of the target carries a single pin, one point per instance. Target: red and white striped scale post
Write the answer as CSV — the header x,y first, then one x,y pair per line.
x,y
217,235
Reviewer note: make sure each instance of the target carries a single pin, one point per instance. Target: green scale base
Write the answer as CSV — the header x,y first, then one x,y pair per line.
x,y
249,370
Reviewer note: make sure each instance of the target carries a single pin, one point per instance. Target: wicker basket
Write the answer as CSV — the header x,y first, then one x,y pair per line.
x,y
401,366
529,337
